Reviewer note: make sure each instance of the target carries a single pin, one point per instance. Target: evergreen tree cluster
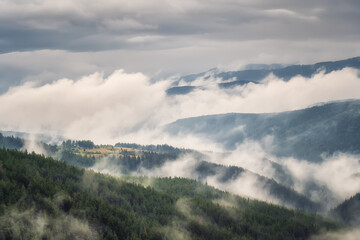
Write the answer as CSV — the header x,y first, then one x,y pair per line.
x,y
40,197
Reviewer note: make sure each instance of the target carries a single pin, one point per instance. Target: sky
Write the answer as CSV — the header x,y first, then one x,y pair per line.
x,y
43,40
99,70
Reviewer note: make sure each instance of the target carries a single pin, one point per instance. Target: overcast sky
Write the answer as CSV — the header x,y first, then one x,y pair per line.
x,y
43,40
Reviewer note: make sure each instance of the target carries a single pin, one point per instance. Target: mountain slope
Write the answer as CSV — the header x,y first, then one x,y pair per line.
x,y
44,198
303,134
133,159
256,74
349,210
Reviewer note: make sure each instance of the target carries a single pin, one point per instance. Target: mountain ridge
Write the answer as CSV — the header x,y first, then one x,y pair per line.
x,y
231,79
323,124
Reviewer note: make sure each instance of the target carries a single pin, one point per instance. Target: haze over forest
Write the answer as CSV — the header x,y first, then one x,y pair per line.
x,y
257,98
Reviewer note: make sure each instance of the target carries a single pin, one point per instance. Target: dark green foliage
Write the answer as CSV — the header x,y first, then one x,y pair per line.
x,y
154,156
31,185
164,148
71,158
86,144
11,142
30,180
219,215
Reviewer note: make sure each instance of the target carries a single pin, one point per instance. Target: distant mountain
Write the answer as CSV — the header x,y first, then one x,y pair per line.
x,y
349,210
46,138
279,192
256,72
303,134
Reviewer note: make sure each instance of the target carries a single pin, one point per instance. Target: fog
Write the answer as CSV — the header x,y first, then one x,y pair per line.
x,y
352,234
32,224
329,182
129,107
336,178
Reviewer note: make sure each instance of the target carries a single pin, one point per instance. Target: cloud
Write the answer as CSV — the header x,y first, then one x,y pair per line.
x,y
329,182
246,185
141,39
274,95
337,173
33,224
228,21
170,37
287,14
351,234
130,107
181,167
114,104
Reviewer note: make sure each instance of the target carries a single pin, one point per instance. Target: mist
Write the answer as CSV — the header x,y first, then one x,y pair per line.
x,y
352,234
335,178
129,107
31,224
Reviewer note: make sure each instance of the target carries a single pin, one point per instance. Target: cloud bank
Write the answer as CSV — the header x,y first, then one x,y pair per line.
x,y
329,182
130,107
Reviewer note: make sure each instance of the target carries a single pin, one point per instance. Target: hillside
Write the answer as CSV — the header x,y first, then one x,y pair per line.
x,y
152,160
43,198
256,73
349,210
303,134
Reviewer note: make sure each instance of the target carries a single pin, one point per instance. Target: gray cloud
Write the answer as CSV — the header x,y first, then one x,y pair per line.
x,y
47,40
83,26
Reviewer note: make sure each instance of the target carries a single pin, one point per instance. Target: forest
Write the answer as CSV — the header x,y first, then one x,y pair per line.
x,y
41,198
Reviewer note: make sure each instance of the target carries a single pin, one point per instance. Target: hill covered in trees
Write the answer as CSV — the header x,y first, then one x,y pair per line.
x,y
43,198
155,160
349,210
306,134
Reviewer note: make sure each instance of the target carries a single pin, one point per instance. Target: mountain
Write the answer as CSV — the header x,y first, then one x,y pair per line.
x,y
140,160
349,210
256,73
304,134
44,198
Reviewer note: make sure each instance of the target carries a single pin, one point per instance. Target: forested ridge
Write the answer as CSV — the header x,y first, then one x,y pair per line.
x,y
349,210
135,159
41,198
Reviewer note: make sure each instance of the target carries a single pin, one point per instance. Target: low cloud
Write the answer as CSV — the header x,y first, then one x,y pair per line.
x,y
246,185
104,106
352,234
337,173
181,167
329,182
31,224
130,107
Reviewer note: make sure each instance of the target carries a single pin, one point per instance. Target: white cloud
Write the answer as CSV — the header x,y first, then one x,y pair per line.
x,y
129,106
126,24
288,14
274,95
91,106
147,38
336,172
351,234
